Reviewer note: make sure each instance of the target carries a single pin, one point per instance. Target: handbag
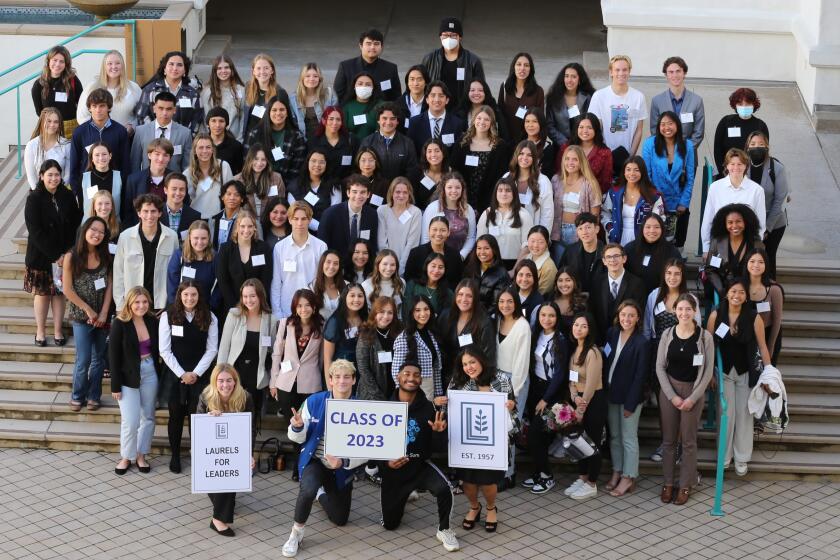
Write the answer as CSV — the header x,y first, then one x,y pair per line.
x,y
579,445
273,460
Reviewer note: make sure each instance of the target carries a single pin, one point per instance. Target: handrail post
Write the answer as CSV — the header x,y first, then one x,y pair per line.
x,y
19,155
704,193
134,49
717,510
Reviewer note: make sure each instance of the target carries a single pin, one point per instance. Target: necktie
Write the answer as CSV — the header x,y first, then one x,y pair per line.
x,y
354,227
614,289
387,142
437,128
162,132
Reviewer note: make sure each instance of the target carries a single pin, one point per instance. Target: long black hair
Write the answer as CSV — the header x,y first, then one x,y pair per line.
x,y
473,269
593,119
530,82
646,188
556,93
79,253
588,342
478,317
659,140
460,379
341,312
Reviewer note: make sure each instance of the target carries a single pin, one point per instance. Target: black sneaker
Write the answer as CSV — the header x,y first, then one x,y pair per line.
x,y
530,481
543,485
374,478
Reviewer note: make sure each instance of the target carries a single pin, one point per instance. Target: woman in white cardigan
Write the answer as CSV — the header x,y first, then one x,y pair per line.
x,y
399,221
513,347
535,191
47,143
452,203
113,77
507,221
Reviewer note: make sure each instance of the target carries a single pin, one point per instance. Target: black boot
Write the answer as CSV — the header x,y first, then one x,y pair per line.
x,y
175,461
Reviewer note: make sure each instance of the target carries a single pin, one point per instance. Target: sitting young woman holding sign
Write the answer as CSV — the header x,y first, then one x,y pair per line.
x,y
224,394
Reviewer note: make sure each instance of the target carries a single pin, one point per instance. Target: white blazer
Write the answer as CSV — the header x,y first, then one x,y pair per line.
x,y
128,264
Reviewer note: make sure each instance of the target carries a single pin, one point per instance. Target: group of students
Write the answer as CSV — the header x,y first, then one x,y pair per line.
x,y
441,241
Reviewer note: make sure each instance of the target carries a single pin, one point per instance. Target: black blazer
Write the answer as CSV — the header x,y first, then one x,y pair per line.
x,y
380,69
124,352
188,216
419,129
52,221
452,258
558,386
630,370
136,184
603,306
490,284
334,227
231,272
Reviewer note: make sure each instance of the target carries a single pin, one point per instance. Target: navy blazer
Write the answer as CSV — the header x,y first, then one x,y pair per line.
x,y
334,227
188,216
602,305
420,129
136,184
630,371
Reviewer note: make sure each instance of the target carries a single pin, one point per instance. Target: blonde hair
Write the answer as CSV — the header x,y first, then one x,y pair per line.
x,y
300,205
341,364
493,133
42,122
389,198
320,91
125,315
252,90
376,276
238,398
585,170
195,167
734,153
618,58
242,214
189,253
113,225
102,79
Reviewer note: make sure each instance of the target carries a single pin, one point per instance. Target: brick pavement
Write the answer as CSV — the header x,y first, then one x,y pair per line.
x,y
64,504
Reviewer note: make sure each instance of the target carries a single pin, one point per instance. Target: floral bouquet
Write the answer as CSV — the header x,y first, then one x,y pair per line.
x,y
559,417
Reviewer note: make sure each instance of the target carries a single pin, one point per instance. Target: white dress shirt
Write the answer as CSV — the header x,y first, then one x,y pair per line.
x,y
721,193
210,350
295,267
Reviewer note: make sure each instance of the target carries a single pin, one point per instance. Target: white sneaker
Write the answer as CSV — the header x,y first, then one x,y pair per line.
x,y
574,487
290,549
318,494
447,538
741,468
584,492
414,496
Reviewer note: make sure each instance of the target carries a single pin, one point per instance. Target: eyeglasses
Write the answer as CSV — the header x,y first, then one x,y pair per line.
x,y
612,257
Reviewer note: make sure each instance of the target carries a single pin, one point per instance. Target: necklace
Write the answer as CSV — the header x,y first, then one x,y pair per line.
x,y
382,334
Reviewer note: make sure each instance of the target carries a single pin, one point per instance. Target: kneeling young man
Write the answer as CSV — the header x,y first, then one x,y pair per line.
x,y
323,477
415,471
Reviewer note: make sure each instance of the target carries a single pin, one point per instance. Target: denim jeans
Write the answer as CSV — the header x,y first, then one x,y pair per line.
x,y
137,408
568,235
90,353
624,439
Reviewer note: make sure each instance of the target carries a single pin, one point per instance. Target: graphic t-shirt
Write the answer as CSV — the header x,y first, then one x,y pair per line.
x,y
619,115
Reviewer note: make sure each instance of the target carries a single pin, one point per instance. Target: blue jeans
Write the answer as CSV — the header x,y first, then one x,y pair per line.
x,y
90,353
568,235
137,410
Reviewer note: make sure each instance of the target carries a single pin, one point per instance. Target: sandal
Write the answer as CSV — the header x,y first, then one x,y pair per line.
x,y
629,490
93,405
490,526
75,406
469,524
609,486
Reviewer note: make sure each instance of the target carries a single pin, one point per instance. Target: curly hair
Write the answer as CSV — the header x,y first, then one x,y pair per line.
x,y
751,224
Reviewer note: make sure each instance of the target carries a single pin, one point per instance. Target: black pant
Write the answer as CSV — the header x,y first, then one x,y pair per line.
x,y
223,504
538,438
771,245
594,420
336,501
183,400
395,492
257,396
682,229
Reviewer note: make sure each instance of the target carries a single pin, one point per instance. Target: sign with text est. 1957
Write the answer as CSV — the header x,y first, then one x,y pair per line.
x,y
478,430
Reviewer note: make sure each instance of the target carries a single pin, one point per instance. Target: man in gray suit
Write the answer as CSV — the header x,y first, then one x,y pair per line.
x,y
162,127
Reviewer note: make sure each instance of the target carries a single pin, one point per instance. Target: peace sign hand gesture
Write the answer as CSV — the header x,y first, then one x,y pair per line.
x,y
296,419
439,425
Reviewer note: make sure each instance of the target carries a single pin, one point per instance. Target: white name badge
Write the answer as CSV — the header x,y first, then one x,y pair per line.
x,y
762,306
61,97
574,376
176,150
92,191
471,161
364,234
311,198
112,248
376,200
465,340
258,111
185,102
277,153
722,330
352,332
520,113
385,85
573,111
177,330
273,190
87,148
698,360
734,131
99,284
205,184
313,224
188,272
686,118
607,350
525,198
257,260
448,139
359,120
289,265
660,308
405,124
224,225
405,217
715,261
460,74
383,357
428,182
494,230
184,234
346,160
265,341
285,367
646,260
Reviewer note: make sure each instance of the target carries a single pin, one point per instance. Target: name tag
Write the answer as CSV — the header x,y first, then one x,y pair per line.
x,y
520,113
313,224
257,260
99,284
405,217
311,198
185,103
265,341
352,332
176,150
734,131
205,184
92,191
383,357
273,190
224,225
762,306
646,260
686,118
385,85
346,160
448,139
184,234
428,182
460,74
397,300
607,350
574,376
285,367
406,122
277,153
573,111
289,265
188,272
87,148
525,198
471,161
465,340
112,248
722,330
177,330
698,360
258,111
359,120
364,234
495,230
660,308
61,97
715,261
376,200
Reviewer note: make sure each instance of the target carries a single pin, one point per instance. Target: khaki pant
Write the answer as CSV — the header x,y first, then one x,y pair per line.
x,y
739,433
678,425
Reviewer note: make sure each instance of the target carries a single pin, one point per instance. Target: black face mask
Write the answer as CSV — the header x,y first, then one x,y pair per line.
x,y
757,155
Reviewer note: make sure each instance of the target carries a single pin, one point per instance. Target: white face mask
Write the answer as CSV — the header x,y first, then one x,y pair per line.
x,y
364,92
449,43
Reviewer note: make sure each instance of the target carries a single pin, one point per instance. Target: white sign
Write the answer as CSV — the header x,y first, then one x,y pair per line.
x,y
221,452
365,429
478,430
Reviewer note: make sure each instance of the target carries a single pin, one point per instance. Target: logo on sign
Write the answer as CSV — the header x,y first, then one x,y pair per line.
x,y
477,421
222,430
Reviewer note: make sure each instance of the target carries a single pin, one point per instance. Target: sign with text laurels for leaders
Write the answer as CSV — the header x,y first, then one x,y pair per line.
x,y
221,452
477,430
357,429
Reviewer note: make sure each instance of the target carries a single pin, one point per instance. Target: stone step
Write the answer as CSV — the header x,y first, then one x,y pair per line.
x,y
12,267
12,294
776,465
809,351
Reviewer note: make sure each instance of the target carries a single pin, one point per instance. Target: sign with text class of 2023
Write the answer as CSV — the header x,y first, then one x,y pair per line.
x,y
478,430
359,429
221,452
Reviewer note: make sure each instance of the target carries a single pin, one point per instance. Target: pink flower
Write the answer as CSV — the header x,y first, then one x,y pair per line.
x,y
565,414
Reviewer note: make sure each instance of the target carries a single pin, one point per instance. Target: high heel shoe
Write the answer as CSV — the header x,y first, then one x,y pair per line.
x,y
120,471
469,524
490,526
628,490
226,533
610,486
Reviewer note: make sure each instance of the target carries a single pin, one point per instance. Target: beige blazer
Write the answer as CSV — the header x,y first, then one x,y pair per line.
x,y
233,341
128,264
305,369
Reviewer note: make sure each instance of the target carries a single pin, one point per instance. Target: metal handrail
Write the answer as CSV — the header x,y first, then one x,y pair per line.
x,y
708,176
17,85
717,510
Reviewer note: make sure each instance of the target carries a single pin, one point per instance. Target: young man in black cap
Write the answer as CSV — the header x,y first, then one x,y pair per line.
x,y
228,148
415,471
385,73
452,64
